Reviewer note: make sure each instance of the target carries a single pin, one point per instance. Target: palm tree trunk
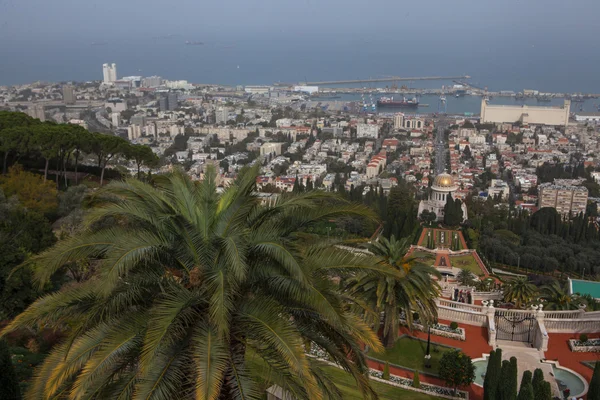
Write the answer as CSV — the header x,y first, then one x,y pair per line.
x,y
102,175
5,162
57,174
46,169
76,165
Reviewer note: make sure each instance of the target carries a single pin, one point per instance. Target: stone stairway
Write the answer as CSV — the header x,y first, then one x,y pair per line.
x,y
528,358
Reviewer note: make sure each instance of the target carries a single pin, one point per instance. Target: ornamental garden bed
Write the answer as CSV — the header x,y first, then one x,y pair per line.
x,y
400,382
423,388
589,346
442,330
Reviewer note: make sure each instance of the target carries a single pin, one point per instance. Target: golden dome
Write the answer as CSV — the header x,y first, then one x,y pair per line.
x,y
444,181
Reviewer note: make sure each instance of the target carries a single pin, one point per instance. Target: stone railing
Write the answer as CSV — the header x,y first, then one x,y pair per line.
x,y
463,316
457,305
487,295
564,314
591,314
491,325
540,335
579,325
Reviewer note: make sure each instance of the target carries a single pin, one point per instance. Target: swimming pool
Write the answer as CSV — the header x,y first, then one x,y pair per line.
x,y
567,379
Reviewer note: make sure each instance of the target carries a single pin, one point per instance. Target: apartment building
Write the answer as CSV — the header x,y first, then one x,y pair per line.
x,y
565,199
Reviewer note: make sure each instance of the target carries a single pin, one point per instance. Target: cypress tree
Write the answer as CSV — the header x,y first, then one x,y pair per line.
x,y
546,392
386,371
9,384
594,390
512,385
504,377
416,382
526,391
490,382
537,383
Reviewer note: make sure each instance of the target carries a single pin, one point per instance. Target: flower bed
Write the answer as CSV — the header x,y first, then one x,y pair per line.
x,y
440,330
394,380
424,387
592,345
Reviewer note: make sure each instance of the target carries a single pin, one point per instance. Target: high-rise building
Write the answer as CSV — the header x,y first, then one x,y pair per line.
x,y
113,72
109,72
222,115
565,199
168,102
163,103
68,94
105,73
134,132
116,119
172,99
398,121
37,111
151,130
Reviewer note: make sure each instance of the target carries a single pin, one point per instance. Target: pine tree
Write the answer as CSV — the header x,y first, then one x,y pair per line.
x,y
526,391
594,390
9,385
537,382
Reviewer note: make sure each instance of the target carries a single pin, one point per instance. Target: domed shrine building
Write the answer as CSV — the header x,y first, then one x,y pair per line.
x,y
443,186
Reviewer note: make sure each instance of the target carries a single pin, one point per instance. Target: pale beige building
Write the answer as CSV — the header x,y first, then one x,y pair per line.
x,y
398,121
566,200
525,114
271,148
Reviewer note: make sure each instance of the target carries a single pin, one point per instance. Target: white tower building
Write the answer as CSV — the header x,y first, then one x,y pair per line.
x,y
109,72
113,72
106,73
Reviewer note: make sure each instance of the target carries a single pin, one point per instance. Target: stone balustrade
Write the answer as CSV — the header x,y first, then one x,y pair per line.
x,y
578,325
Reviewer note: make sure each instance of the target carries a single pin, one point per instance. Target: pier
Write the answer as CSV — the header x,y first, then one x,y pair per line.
x,y
373,80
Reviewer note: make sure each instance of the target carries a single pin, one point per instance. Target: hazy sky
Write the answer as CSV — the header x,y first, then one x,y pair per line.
x,y
343,18
507,44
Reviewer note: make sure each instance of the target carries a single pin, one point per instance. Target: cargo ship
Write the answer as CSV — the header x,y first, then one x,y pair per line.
x,y
404,103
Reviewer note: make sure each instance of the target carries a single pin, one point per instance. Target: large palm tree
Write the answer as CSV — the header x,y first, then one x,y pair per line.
x,y
414,291
519,291
191,284
557,297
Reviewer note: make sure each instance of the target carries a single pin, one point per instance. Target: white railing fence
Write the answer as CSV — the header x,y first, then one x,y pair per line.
x,y
579,325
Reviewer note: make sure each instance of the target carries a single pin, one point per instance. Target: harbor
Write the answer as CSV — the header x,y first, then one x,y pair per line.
x,y
458,96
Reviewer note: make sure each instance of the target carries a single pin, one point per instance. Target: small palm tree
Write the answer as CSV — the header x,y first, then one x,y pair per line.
x,y
557,297
465,278
192,286
591,303
414,292
519,291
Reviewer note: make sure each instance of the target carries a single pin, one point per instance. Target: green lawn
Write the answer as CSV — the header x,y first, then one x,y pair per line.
x,y
410,353
467,262
347,386
343,380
